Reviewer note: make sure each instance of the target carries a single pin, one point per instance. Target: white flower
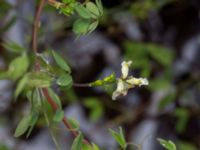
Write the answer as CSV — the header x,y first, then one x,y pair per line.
x,y
125,68
122,89
137,81
126,82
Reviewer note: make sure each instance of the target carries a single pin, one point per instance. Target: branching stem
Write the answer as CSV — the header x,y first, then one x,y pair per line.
x,y
37,65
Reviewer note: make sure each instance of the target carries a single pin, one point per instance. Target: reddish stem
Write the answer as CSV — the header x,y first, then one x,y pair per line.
x,y
37,67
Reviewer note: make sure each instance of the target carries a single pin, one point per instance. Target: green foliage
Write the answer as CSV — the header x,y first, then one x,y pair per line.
x,y
89,17
55,97
119,137
17,68
68,8
81,26
83,12
6,22
141,9
139,53
162,55
75,125
59,115
33,80
4,7
77,143
34,98
182,115
34,119
88,12
13,47
159,83
61,62
186,146
20,86
23,125
144,56
168,99
39,79
91,7
95,107
169,145
95,147
3,146
64,80
107,80
90,147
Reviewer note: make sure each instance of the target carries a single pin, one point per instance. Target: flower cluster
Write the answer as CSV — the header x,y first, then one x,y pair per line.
x,y
126,82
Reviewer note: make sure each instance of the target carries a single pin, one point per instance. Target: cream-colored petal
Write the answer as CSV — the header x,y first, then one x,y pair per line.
x,y
137,81
120,85
144,81
115,95
122,89
125,68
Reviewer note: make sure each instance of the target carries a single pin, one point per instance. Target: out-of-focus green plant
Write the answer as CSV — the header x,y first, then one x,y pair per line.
x,y
169,145
119,137
141,8
3,146
186,146
5,23
144,54
146,57
35,76
95,107
182,115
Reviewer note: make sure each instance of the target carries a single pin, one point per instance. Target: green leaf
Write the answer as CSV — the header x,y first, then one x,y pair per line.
x,y
90,147
93,8
13,47
81,26
93,26
169,145
4,75
119,137
95,147
95,107
3,146
34,119
68,1
54,97
36,100
83,12
38,79
77,143
100,6
59,115
182,115
167,99
64,80
186,146
86,147
18,67
23,126
61,62
163,55
159,83
20,86
75,125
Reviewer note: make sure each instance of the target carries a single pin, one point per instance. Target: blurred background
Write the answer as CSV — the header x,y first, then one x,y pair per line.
x,y
161,37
